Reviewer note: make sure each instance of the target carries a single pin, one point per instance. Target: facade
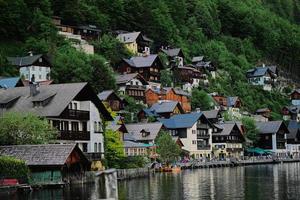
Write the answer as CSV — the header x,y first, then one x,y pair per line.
x,y
263,76
232,104
170,94
228,140
74,109
175,56
149,66
132,148
293,139
162,109
295,97
51,163
194,131
272,136
133,85
34,68
110,98
135,42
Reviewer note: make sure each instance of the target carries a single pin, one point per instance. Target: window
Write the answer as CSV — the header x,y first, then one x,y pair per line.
x,y
95,147
40,60
70,106
99,127
194,142
95,127
193,131
75,106
75,126
84,147
99,147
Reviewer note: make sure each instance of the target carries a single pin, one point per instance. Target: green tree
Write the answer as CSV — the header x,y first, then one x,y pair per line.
x,y
114,150
132,108
166,78
250,128
200,99
167,148
20,128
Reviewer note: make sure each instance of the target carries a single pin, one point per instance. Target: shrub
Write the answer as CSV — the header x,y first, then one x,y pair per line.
x,y
13,168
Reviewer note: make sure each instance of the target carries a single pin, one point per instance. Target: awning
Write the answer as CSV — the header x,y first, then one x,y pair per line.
x,y
258,151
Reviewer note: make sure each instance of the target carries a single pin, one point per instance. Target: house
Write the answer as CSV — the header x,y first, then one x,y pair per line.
x,y
204,66
171,94
35,68
265,112
87,31
291,113
112,100
175,56
73,108
10,82
194,131
132,148
228,103
213,116
272,136
148,66
228,140
163,109
133,85
189,77
295,97
135,42
51,163
293,138
262,76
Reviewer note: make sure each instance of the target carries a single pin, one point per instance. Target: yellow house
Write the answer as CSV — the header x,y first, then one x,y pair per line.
x,y
135,42
228,141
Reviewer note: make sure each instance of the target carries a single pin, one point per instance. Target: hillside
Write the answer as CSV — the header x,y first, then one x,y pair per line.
x,y
235,35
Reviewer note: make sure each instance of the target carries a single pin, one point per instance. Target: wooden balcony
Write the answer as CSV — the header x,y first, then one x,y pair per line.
x,y
74,135
75,114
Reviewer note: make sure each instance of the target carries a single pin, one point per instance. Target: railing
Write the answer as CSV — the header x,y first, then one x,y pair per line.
x,y
74,135
206,136
93,156
203,147
76,114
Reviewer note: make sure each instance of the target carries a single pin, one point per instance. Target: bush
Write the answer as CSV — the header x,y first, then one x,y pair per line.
x,y
13,168
132,162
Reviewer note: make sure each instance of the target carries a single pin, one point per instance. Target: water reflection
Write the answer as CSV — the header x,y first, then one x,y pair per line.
x,y
261,182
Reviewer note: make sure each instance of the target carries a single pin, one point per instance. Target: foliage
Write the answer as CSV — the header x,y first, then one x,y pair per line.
x,y
114,150
13,168
19,128
166,78
132,162
167,148
200,99
132,107
250,128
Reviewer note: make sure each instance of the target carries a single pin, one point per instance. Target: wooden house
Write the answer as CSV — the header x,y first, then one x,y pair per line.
x,y
112,100
51,163
175,56
295,97
148,66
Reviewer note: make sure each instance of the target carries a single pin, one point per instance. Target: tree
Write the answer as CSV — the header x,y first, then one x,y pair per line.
x,y
167,148
20,128
132,107
250,127
166,78
200,99
114,150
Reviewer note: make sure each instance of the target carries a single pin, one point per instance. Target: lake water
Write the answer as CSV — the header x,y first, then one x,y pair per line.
x,y
263,182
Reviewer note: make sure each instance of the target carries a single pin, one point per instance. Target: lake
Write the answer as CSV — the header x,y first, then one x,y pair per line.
x,y
281,181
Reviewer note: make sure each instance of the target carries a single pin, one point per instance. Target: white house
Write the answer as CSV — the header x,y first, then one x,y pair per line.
x,y
264,76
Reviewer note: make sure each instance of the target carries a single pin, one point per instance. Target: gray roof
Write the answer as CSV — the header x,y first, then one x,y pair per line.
x,y
178,91
197,58
128,37
61,95
40,155
269,127
124,78
294,129
172,52
135,131
211,114
141,61
23,61
105,94
261,71
164,107
226,128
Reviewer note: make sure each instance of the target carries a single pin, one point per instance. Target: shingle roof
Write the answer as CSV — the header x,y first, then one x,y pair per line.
x,y
128,37
40,155
141,61
226,128
269,127
10,82
134,131
23,61
178,91
62,95
172,52
294,129
164,107
124,78
181,121
105,94
197,58
211,114
260,71
293,109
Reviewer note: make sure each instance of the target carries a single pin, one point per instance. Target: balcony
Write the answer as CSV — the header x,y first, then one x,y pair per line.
x,y
205,136
75,114
94,156
74,135
207,147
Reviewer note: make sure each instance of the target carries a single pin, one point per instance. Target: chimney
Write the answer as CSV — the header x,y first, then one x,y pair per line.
x,y
30,53
34,89
198,110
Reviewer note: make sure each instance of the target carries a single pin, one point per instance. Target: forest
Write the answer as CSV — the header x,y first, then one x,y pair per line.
x,y
235,35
